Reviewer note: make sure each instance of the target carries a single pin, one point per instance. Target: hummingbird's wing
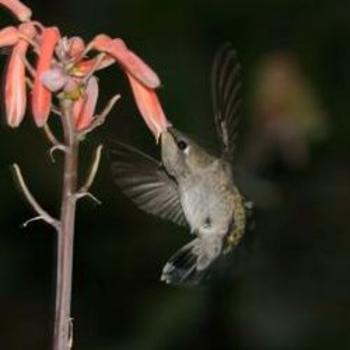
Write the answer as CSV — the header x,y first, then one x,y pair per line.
x,y
144,180
226,96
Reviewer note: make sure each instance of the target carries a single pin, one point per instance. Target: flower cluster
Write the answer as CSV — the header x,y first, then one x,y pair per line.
x,y
65,68
59,73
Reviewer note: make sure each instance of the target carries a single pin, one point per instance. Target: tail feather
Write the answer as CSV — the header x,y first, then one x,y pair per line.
x,y
182,267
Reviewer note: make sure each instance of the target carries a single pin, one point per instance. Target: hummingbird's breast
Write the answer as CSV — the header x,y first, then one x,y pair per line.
x,y
207,201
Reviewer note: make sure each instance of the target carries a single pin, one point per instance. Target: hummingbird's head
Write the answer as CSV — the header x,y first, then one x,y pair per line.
x,y
180,154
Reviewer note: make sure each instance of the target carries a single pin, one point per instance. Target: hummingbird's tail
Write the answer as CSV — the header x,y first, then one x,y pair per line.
x,y
189,265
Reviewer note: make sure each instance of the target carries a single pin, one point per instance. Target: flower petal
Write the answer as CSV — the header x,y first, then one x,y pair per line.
x,y
22,12
149,107
87,111
15,86
83,68
76,46
68,48
41,96
131,63
54,79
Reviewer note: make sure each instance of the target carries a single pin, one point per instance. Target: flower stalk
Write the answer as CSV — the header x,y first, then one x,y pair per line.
x,y
65,70
65,238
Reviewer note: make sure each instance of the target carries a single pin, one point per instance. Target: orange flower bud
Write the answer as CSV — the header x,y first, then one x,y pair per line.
x,y
41,96
22,12
149,107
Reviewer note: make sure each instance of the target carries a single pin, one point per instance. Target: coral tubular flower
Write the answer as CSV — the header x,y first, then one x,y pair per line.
x,y
149,107
41,96
8,36
86,110
131,63
15,85
22,12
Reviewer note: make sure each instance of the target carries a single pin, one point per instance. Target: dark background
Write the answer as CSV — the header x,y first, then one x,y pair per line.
x,y
290,282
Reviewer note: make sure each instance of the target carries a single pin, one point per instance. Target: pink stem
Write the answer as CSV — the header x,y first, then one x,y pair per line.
x,y
62,332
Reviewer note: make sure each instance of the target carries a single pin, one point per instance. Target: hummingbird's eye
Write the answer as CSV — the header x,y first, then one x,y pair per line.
x,y
182,145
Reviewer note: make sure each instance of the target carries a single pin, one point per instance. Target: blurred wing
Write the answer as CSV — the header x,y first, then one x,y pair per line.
x,y
145,182
226,96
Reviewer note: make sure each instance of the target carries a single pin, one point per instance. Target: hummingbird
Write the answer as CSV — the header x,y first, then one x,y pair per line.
x,y
190,186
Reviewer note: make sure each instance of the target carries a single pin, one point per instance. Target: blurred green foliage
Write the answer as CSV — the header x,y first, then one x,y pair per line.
x,y
290,284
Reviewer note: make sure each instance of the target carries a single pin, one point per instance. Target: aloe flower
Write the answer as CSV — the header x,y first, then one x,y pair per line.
x,y
142,78
15,85
131,63
62,65
149,107
41,96
63,81
143,81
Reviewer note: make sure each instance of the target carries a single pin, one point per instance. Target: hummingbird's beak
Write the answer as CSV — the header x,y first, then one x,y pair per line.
x,y
171,129
169,134
165,137
173,132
